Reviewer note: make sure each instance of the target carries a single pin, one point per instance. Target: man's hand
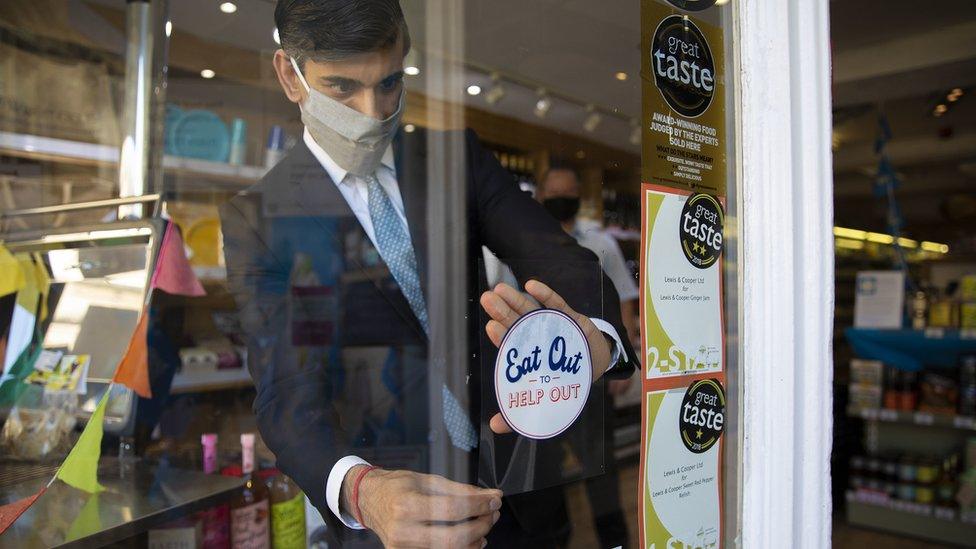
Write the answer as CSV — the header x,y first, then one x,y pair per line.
x,y
505,305
408,509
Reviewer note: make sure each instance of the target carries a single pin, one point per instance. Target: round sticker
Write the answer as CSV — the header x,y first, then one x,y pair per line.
x,y
684,71
700,230
692,5
543,374
702,415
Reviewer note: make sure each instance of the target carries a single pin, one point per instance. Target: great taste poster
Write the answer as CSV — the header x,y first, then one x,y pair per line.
x,y
684,173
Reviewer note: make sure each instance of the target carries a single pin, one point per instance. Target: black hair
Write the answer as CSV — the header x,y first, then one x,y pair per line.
x,y
331,30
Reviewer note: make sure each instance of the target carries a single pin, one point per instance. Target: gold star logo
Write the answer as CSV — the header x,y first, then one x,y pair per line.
x,y
703,250
698,433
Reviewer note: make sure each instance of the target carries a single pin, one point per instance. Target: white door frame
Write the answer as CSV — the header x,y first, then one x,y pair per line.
x,y
787,289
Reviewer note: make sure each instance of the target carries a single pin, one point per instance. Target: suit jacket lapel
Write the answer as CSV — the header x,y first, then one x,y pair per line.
x,y
314,181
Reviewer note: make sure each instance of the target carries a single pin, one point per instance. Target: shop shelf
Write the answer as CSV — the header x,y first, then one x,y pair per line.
x,y
941,524
62,150
915,418
218,380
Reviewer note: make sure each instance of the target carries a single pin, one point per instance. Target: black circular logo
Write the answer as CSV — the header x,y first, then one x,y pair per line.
x,y
683,68
702,415
692,5
700,230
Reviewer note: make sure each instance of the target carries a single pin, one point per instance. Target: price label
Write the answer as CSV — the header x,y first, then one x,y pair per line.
x,y
888,415
935,333
967,333
924,418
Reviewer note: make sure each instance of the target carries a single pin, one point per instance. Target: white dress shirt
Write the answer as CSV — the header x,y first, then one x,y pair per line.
x,y
353,189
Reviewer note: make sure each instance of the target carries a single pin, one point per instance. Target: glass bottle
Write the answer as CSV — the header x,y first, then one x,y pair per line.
x,y
249,513
215,522
287,511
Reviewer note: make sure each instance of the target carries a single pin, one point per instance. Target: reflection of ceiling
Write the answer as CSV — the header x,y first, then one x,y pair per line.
x,y
897,53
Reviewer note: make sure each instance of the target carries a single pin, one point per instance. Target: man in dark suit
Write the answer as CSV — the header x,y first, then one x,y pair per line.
x,y
326,259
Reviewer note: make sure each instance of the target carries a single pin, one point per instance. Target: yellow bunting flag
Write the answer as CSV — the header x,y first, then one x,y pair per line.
x,y
133,369
88,521
12,276
80,468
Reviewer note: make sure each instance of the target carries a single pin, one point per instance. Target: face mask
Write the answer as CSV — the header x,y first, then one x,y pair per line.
x,y
355,142
562,208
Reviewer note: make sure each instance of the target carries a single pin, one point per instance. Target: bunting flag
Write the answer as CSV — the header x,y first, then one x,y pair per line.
x,y
12,511
80,468
88,521
12,277
25,311
173,273
133,369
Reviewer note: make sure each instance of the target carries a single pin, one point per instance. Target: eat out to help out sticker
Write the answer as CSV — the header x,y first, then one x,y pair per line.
x,y
543,374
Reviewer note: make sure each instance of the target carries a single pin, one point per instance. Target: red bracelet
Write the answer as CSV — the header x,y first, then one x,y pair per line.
x,y
355,492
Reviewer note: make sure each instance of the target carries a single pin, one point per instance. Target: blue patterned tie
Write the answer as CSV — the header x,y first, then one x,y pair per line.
x,y
396,249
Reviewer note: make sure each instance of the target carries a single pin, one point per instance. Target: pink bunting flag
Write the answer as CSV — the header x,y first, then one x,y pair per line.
x,y
173,273
12,511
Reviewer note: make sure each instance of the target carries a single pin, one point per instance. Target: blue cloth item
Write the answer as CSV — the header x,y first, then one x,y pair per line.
x,y
910,350
393,243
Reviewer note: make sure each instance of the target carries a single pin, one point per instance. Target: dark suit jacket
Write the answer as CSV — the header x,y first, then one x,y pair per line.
x,y
338,357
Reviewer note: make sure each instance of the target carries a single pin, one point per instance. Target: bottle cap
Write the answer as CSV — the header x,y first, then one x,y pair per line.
x,y
247,439
238,131
209,439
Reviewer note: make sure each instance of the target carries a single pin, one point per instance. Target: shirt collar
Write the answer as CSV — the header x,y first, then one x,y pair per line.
x,y
336,172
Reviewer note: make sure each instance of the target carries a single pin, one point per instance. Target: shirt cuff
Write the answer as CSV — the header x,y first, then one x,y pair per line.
x,y
334,485
618,347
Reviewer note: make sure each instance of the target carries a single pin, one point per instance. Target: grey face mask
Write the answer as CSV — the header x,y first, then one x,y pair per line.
x,y
355,141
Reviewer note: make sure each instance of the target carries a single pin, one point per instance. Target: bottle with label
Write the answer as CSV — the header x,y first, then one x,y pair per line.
x,y
287,511
215,521
249,512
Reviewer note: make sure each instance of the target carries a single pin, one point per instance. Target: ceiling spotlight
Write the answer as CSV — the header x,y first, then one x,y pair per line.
x,y
411,63
954,95
940,109
207,73
474,89
635,132
581,154
622,76
276,36
496,92
228,7
169,28
543,103
409,128
592,120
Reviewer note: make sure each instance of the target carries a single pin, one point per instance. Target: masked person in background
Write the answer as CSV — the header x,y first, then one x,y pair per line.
x,y
559,193
327,262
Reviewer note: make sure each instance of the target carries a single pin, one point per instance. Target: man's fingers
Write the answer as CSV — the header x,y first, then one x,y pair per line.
x,y
496,332
439,485
547,296
462,534
498,309
457,508
498,425
518,301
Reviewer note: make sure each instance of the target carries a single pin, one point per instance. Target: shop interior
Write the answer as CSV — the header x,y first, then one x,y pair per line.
x,y
902,465
224,123
904,81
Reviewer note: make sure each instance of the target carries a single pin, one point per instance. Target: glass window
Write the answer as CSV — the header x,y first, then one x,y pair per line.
x,y
373,240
